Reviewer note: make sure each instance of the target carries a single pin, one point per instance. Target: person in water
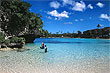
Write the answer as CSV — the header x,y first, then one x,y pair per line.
x,y
42,47
45,48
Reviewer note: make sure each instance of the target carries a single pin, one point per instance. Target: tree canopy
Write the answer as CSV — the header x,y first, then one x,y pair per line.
x,y
15,18
98,25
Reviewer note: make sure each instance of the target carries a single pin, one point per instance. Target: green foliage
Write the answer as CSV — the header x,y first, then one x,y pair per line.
x,y
7,41
100,33
12,40
44,33
98,25
2,38
16,17
79,33
17,40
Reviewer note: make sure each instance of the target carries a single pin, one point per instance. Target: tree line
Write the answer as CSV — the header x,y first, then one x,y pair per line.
x,y
93,33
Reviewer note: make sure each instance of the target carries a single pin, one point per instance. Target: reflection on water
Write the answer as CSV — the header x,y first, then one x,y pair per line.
x,y
65,55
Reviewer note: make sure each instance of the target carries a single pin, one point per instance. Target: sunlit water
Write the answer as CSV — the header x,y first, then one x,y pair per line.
x,y
65,55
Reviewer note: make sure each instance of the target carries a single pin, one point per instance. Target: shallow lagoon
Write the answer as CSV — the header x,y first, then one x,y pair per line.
x,y
65,55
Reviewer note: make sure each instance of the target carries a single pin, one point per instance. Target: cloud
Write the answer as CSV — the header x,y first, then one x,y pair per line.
x,y
63,14
79,6
69,2
68,23
90,17
55,4
49,17
81,19
76,20
101,25
105,16
70,13
48,22
90,6
56,18
100,4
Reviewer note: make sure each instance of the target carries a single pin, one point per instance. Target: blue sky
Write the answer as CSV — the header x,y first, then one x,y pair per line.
x,y
72,15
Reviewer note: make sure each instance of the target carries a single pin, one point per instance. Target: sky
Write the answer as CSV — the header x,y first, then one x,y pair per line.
x,y
72,15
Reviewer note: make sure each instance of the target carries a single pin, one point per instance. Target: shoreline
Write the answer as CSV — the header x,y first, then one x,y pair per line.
x,y
13,49
24,49
8,49
76,38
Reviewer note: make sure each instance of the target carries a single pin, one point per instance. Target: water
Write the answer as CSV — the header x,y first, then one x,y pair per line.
x,y
65,55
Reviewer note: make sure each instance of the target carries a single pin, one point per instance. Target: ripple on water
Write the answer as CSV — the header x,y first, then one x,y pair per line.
x,y
78,56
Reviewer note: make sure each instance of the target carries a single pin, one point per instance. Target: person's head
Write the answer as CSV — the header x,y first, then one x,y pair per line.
x,y
45,45
42,42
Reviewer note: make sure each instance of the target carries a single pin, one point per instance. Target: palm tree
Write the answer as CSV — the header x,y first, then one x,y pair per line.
x,y
98,26
98,31
79,33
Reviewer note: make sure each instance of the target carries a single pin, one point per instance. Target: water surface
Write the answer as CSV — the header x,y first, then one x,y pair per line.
x,y
65,55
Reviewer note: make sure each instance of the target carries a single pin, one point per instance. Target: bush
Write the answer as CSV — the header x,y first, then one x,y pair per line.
x,y
13,42
17,40
2,38
6,41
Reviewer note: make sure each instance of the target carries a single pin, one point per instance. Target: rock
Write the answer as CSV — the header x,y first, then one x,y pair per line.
x,y
6,49
3,45
15,45
29,37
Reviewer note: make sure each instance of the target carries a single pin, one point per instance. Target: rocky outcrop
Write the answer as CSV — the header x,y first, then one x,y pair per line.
x,y
3,45
29,37
14,49
12,45
15,45
19,47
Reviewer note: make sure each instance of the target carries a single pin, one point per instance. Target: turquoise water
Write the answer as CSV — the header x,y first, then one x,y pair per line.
x,y
75,48
65,55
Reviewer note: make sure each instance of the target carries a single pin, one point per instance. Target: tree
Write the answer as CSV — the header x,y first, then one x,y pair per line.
x,y
16,12
16,18
79,33
57,33
35,23
98,26
46,33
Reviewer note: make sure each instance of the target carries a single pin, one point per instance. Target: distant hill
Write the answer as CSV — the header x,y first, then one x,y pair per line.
x,y
97,33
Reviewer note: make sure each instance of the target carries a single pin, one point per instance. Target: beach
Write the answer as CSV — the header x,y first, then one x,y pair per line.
x,y
70,57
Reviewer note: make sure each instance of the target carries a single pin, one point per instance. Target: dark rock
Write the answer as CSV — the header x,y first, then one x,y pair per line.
x,y
29,37
3,45
15,45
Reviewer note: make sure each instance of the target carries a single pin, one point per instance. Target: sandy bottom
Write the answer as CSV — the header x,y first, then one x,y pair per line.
x,y
60,58
22,62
